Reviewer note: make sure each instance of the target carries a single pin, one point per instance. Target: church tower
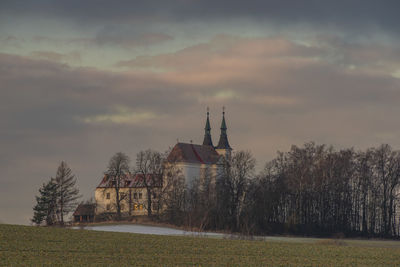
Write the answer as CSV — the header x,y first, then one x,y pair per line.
x,y
207,131
223,147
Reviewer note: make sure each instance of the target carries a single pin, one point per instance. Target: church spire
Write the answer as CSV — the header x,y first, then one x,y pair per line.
x,y
207,131
223,139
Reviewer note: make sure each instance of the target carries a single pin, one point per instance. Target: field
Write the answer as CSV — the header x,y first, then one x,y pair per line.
x,y
38,246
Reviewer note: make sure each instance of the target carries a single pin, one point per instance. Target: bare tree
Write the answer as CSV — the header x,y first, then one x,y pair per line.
x,y
173,194
150,165
202,201
232,186
67,192
387,174
118,169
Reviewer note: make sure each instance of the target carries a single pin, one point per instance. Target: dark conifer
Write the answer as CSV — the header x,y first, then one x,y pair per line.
x,y
46,203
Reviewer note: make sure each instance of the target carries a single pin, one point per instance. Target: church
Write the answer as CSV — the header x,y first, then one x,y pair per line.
x,y
192,161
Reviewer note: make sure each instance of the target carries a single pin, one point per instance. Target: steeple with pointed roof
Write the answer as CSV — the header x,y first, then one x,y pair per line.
x,y
207,131
223,147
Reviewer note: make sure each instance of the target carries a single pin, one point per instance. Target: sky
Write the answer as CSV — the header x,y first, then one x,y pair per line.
x,y
82,80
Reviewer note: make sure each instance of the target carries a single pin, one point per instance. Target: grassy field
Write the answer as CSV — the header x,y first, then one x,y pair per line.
x,y
38,246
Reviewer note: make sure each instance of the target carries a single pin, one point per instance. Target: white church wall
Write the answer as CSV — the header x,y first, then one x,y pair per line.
x,y
193,171
190,171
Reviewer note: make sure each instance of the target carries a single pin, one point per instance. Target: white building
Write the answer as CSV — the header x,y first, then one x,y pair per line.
x,y
133,195
192,161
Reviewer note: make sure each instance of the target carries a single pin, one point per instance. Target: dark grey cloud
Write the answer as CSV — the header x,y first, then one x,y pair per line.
x,y
356,14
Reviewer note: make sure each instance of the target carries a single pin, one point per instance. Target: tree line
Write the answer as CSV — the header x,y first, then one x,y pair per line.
x,y
311,190
317,190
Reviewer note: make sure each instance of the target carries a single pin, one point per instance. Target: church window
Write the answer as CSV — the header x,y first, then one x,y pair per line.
x,y
140,195
135,195
108,196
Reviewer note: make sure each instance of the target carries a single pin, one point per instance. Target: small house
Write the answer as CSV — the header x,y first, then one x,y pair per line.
x,y
84,213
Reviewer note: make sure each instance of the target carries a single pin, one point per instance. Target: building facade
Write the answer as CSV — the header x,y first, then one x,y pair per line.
x,y
195,160
133,195
192,160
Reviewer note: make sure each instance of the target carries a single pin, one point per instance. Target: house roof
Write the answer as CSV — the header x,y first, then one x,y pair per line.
x,y
200,154
128,181
84,209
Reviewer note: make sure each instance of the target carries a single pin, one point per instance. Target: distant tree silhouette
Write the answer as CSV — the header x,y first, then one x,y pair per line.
x,y
57,197
67,192
118,169
46,204
150,166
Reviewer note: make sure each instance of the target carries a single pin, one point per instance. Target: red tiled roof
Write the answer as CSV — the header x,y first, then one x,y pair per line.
x,y
201,154
129,181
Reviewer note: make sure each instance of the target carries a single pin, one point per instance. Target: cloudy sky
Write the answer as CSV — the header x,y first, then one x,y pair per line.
x,y
81,80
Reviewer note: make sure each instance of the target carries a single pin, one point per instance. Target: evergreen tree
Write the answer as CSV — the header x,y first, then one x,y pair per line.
x,y
45,208
67,192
